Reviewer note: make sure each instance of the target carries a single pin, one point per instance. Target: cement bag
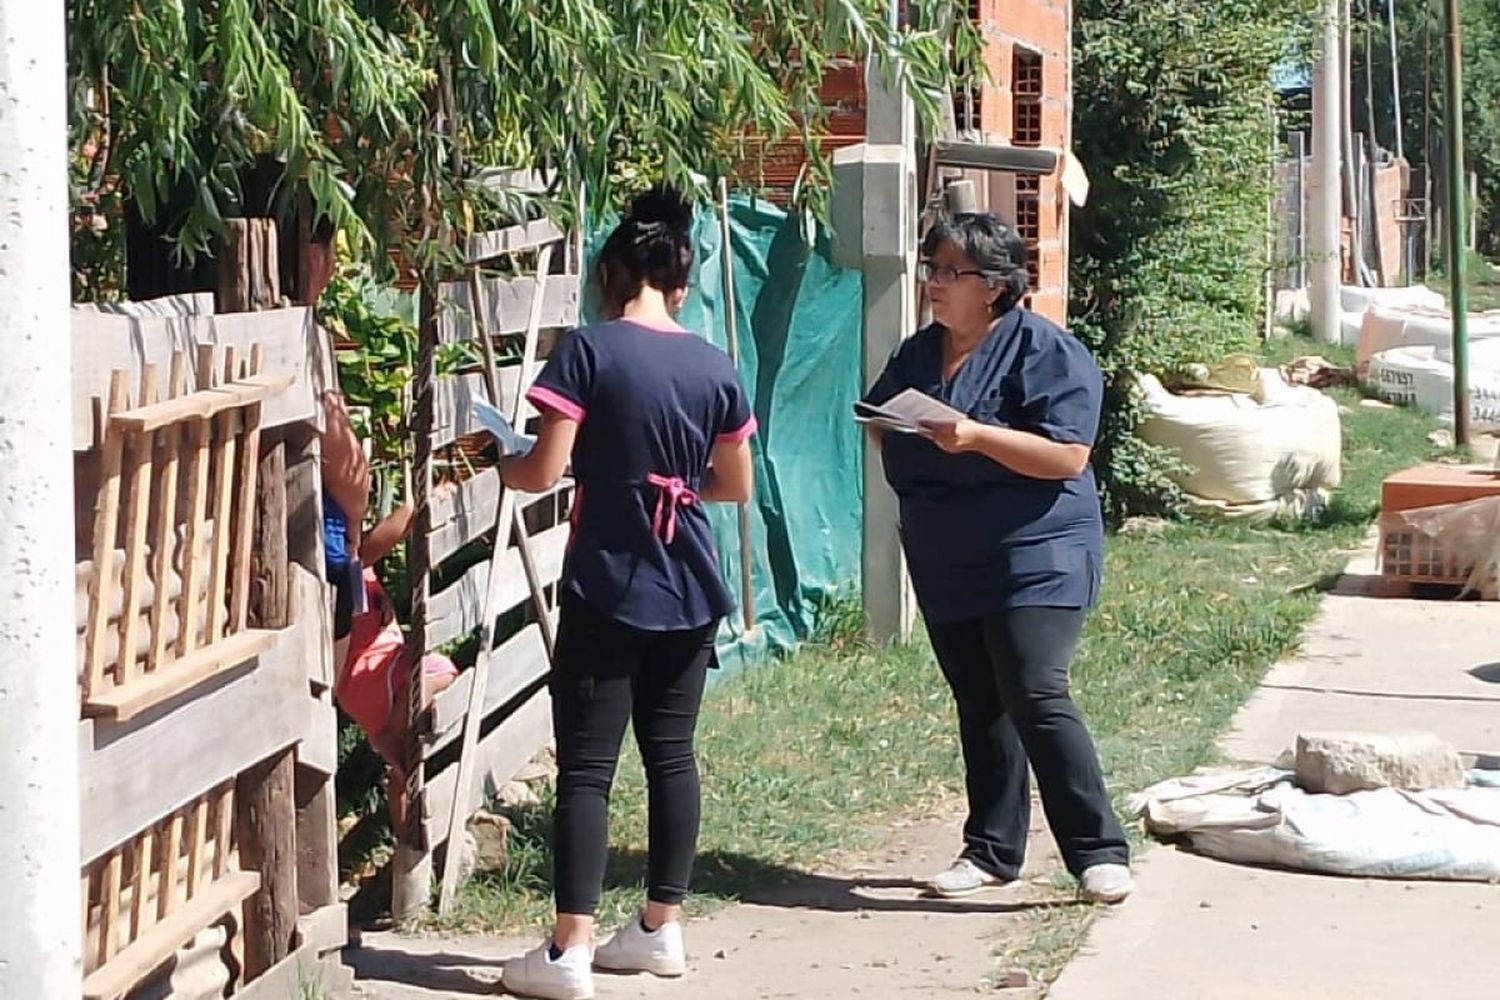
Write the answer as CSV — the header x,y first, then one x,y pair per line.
x,y
1423,377
1260,817
1351,324
1384,329
1258,457
1353,298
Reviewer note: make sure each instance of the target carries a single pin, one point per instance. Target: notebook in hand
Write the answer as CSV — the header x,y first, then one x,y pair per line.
x,y
905,412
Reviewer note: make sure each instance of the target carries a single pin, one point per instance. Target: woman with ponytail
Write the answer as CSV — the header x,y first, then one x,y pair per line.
x,y
656,424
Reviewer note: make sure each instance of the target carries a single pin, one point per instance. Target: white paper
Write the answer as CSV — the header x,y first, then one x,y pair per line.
x,y
906,412
510,442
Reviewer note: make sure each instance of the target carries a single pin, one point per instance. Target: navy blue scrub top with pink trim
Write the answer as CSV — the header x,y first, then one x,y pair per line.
x,y
651,405
980,538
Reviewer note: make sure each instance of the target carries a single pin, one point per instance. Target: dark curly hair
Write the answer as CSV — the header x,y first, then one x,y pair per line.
x,y
652,245
994,247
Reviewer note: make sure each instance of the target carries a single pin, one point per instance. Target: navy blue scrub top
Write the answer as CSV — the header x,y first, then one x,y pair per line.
x,y
651,405
980,538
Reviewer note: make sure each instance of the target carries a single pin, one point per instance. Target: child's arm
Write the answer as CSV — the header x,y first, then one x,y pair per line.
x,y
382,539
346,473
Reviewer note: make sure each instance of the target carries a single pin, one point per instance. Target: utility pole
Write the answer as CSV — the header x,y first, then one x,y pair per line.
x,y
1457,219
41,944
874,215
1324,190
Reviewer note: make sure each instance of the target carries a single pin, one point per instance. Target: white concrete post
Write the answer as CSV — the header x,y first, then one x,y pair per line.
x,y
874,215
40,946
1324,194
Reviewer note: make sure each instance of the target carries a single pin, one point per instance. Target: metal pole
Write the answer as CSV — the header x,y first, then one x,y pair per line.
x,y
1458,263
1324,192
41,949
1390,13
732,338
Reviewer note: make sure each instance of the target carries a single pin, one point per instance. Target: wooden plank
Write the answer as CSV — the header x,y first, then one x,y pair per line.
x,y
453,403
109,917
106,525
326,927
462,512
140,884
512,239
459,608
292,341
224,486
138,960
267,824
223,830
311,609
171,860
508,519
516,665
234,394
317,839
249,266
507,305
193,577
498,757
197,845
308,968
262,558
466,511
318,747
126,702
166,523
134,773
138,487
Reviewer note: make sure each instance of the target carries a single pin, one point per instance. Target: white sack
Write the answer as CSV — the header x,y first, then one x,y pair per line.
x,y
1241,451
1258,816
1423,377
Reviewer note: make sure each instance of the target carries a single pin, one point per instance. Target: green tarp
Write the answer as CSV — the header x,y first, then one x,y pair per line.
x,y
799,322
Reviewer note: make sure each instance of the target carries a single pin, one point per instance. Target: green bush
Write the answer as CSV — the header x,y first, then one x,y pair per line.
x,y
1173,120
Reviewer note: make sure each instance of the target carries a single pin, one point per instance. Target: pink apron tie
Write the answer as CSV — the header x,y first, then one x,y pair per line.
x,y
672,493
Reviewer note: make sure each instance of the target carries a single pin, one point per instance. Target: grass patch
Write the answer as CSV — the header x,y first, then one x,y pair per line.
x,y
804,757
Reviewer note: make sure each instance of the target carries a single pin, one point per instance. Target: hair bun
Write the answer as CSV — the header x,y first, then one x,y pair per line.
x,y
665,206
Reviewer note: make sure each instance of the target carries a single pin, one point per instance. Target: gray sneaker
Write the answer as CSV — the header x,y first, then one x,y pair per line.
x,y
1106,883
962,878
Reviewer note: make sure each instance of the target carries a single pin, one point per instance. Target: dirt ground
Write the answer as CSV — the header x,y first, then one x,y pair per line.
x,y
861,929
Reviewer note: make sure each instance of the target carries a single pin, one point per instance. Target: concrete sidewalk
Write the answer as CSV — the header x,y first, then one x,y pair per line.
x,y
1198,928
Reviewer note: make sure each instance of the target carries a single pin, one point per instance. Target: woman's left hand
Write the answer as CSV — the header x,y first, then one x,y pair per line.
x,y
953,436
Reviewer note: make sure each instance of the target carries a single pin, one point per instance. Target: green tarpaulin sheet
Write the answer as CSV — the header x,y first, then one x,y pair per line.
x,y
799,320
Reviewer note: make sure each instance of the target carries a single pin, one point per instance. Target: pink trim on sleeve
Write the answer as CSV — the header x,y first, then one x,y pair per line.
x,y
545,397
743,434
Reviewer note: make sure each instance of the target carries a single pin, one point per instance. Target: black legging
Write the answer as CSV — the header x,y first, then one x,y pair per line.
x,y
605,674
1009,675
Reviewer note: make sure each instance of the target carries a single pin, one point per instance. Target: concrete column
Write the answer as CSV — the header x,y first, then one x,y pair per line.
x,y
1324,193
874,216
40,946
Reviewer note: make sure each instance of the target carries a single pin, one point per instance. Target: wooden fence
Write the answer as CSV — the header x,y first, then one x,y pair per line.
x,y
207,731
494,558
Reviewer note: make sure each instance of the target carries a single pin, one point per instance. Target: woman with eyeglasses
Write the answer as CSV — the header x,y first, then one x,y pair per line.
x,y
1001,525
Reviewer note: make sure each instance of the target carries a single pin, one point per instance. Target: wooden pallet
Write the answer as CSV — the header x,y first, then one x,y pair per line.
x,y
147,898
171,610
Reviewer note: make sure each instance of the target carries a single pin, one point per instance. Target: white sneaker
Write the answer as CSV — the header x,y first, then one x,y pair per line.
x,y
1106,883
961,878
634,949
537,974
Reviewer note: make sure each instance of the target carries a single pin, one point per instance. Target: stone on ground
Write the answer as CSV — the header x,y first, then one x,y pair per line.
x,y
1342,762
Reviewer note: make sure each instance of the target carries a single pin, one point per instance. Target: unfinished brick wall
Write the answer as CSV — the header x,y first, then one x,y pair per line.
x,y
1029,103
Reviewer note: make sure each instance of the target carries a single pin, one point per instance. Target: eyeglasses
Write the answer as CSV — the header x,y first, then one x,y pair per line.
x,y
941,274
